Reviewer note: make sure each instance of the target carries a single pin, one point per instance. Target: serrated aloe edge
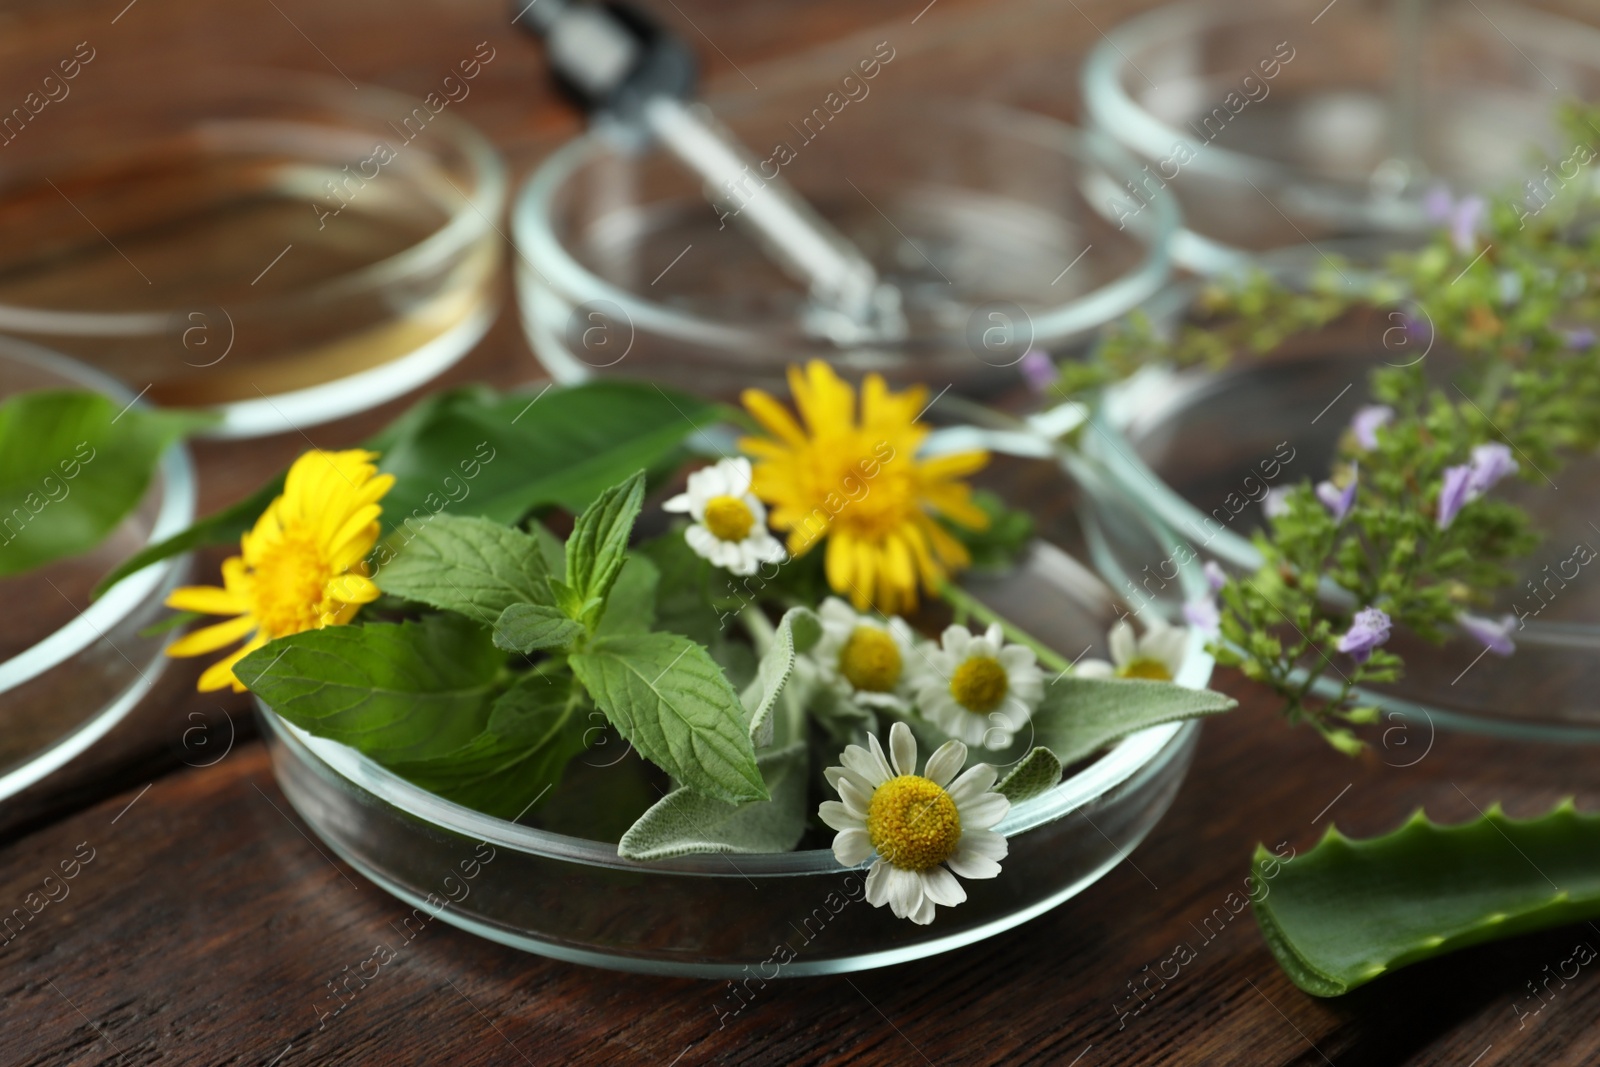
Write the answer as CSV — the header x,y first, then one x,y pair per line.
x,y
766,648
1348,911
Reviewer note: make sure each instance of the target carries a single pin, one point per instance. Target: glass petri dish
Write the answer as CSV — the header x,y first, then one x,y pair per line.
x,y
1196,450
1277,124
71,669
276,247
719,916
981,215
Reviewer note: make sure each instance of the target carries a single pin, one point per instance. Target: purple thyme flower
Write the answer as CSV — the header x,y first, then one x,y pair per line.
x,y
1367,422
1337,500
1460,216
1437,204
1203,615
1216,577
1037,370
1493,634
1368,630
1455,493
1490,463
1581,339
1274,502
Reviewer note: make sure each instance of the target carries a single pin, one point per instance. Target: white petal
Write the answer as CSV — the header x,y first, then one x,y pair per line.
x,y
1094,668
983,811
832,776
903,748
836,815
924,914
955,640
877,754
1124,646
703,541
974,782
737,472
945,762
985,843
852,847
1016,658
855,799
941,887
995,636
868,766
877,890
679,503
969,864
835,610
1167,645
905,892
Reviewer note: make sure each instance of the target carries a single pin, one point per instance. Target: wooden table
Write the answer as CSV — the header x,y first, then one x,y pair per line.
x,y
208,921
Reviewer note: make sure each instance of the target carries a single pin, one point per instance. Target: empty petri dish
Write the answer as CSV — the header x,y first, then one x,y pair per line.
x,y
276,247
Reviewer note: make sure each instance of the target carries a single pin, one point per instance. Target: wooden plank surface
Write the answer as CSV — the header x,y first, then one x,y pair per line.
x,y
207,924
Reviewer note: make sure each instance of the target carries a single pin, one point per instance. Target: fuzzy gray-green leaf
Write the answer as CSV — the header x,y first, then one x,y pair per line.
x,y
798,631
684,822
1080,716
1038,772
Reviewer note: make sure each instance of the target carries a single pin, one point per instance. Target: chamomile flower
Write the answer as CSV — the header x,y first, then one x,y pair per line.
x,y
1158,655
730,524
977,688
864,660
923,828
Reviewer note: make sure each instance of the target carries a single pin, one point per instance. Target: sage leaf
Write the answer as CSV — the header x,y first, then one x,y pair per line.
x,y
1080,716
1348,911
684,822
666,695
73,465
528,628
1039,772
534,729
393,691
631,606
799,631
471,566
598,546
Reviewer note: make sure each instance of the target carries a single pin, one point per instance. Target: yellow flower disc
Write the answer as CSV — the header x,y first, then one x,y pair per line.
x,y
913,823
1144,667
870,660
979,684
729,518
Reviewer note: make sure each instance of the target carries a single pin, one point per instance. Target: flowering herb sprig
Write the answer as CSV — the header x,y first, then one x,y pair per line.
x,y
1406,532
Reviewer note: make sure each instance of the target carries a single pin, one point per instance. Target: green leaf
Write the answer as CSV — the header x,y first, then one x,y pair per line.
x,y
631,607
1038,772
799,631
685,592
219,528
996,546
598,546
534,729
667,695
1348,911
471,566
1080,716
73,465
528,628
684,822
393,691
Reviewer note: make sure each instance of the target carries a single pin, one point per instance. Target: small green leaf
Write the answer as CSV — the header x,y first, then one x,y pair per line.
x,y
1038,772
528,628
73,465
799,631
598,546
471,566
393,691
1080,716
1348,911
534,729
667,695
631,607
684,822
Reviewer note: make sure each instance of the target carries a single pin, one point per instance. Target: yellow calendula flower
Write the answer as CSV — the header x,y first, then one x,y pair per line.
x,y
855,479
301,568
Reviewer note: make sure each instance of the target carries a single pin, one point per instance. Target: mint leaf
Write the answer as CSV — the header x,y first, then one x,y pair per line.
x,y
684,822
667,695
390,690
471,566
534,729
1080,716
799,630
1038,772
598,546
631,607
73,465
527,628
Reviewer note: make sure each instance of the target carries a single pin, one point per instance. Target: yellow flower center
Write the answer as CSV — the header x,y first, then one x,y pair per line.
x,y
913,823
979,684
729,518
1145,667
870,660
290,585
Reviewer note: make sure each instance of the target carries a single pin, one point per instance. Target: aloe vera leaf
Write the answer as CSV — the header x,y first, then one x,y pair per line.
x,y
1348,911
